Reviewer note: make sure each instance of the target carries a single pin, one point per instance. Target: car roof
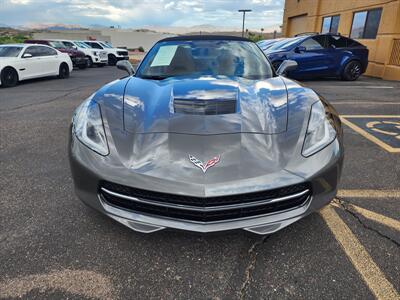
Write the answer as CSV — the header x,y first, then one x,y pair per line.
x,y
205,37
24,45
15,45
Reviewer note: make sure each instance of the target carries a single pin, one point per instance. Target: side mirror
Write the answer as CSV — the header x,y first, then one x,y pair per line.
x,y
286,66
75,47
27,55
126,66
300,49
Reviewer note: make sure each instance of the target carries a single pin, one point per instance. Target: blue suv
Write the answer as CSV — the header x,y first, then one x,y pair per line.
x,y
321,55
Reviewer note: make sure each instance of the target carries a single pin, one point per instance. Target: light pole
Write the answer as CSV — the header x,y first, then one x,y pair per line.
x,y
244,15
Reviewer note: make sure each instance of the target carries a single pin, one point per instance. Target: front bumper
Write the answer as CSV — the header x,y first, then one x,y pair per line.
x,y
100,60
79,61
124,57
90,169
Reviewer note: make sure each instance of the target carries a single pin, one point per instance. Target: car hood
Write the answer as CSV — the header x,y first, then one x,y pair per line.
x,y
176,106
152,143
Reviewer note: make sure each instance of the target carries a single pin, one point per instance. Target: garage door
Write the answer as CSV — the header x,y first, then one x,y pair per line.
x,y
297,25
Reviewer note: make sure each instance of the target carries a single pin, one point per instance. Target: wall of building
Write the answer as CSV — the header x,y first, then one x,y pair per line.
x,y
383,61
128,38
72,35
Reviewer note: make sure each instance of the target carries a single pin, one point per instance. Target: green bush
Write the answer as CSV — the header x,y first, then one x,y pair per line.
x,y
141,49
13,39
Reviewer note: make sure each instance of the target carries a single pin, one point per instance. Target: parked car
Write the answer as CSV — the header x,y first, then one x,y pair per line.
x,y
265,44
204,138
78,57
321,55
25,61
114,54
94,57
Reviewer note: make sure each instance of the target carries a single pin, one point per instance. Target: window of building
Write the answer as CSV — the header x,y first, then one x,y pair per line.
x,y
330,24
365,24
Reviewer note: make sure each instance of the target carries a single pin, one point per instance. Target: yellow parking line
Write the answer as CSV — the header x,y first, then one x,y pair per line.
x,y
370,116
368,135
373,216
369,193
362,261
363,103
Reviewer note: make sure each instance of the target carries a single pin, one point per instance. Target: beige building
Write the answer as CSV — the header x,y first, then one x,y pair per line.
x,y
374,23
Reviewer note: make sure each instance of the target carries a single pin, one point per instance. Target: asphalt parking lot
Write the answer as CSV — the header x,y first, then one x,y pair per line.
x,y
52,246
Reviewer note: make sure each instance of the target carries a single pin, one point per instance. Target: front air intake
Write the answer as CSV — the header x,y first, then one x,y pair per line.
x,y
205,107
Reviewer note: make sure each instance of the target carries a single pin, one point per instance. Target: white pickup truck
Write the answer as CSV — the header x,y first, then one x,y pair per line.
x,y
114,54
95,57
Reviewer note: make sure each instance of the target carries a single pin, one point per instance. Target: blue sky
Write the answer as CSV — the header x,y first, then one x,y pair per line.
x,y
141,13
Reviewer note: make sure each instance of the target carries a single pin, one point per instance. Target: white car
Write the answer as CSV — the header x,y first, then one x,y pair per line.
x,y
114,54
26,61
95,57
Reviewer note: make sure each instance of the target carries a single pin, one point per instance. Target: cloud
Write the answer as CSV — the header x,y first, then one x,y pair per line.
x,y
138,13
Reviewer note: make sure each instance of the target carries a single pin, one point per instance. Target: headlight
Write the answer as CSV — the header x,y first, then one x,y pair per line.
x,y
95,53
88,126
320,131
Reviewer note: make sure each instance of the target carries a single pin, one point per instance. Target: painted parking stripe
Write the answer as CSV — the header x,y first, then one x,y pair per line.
x,y
373,216
383,140
359,257
369,193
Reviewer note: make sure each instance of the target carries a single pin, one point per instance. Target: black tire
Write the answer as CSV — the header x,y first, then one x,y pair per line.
x,y
352,71
9,77
89,62
112,60
63,71
82,67
276,64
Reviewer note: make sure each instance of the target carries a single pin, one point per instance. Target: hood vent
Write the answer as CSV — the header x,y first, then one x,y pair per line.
x,y
205,107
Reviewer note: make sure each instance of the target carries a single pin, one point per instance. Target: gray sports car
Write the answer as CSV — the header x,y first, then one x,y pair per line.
x,y
206,137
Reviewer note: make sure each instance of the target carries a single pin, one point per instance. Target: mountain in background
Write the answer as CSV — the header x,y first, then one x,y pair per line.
x,y
203,28
53,26
197,29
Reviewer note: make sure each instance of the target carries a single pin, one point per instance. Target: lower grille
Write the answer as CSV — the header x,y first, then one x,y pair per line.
x,y
207,209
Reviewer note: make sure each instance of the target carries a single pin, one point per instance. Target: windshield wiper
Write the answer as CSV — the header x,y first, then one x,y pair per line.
x,y
154,77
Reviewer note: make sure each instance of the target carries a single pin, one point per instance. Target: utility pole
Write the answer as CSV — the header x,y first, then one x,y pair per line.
x,y
244,16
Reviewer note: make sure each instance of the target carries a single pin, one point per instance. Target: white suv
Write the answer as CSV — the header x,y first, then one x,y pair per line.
x,y
95,57
114,54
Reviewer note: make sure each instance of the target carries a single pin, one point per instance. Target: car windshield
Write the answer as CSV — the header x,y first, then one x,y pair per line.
x,y
9,51
205,58
57,44
81,45
105,45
